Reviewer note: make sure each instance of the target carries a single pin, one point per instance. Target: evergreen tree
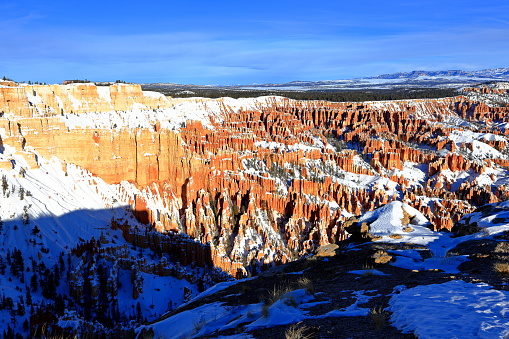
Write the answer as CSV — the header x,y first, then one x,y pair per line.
x,y
33,283
9,304
3,266
5,185
9,334
139,315
61,262
20,309
28,296
17,264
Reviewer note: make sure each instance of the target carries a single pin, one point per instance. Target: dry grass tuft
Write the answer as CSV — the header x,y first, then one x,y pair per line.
x,y
298,332
502,247
277,293
501,267
307,284
368,266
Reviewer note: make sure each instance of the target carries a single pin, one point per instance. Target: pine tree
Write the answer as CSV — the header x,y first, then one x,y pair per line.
x,y
61,262
3,266
33,283
25,218
139,315
20,309
9,304
17,264
5,185
10,332
28,296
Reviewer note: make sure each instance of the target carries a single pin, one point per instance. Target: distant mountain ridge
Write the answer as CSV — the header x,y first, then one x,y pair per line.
x,y
414,79
419,79
502,73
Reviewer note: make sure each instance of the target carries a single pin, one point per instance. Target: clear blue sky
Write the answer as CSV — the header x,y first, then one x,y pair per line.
x,y
237,42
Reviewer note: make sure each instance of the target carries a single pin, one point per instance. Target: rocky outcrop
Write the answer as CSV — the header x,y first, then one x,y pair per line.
x,y
379,257
325,251
359,231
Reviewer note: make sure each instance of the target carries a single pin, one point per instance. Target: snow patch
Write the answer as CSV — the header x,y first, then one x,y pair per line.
x,y
454,309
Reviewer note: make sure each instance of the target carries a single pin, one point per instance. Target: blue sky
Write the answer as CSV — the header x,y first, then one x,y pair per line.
x,y
234,42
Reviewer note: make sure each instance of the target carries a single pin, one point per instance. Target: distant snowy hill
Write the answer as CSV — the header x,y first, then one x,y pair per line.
x,y
414,79
451,79
496,73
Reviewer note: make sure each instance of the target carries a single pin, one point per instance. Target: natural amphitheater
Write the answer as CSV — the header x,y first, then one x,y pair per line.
x,y
129,213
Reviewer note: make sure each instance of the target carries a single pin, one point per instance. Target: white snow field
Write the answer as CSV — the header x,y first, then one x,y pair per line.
x,y
454,309
211,318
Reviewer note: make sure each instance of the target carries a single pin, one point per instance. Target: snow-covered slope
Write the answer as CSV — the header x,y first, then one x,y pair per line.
x,y
192,109
57,243
65,206
454,309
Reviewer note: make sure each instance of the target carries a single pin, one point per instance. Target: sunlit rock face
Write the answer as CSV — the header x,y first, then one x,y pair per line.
x,y
264,181
33,100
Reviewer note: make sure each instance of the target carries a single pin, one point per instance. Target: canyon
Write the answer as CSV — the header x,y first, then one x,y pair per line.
x,y
234,187
267,185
